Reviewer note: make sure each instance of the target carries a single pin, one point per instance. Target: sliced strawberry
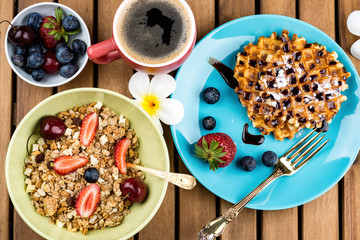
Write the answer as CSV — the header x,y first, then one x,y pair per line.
x,y
88,128
120,154
67,164
88,200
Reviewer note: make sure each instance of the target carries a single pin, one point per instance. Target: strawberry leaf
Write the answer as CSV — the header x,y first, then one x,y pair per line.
x,y
204,144
52,32
51,20
57,37
73,32
59,14
48,25
213,145
66,37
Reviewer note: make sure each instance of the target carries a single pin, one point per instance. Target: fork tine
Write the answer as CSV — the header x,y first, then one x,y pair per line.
x,y
292,157
307,150
298,144
311,155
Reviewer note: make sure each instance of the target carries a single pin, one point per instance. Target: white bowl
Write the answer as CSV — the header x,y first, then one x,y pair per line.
x,y
47,9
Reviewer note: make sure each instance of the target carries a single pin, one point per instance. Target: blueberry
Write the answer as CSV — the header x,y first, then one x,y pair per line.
x,y
78,46
18,60
28,69
34,48
248,163
91,175
70,23
19,50
34,21
60,45
64,55
209,123
35,60
38,74
211,95
269,158
68,70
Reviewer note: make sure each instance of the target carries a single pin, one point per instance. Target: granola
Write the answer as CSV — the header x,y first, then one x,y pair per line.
x,y
54,195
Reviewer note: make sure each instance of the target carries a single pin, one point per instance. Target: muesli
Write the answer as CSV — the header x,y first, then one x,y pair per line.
x,y
55,195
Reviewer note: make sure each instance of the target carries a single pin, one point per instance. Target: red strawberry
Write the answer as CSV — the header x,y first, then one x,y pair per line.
x,y
51,30
87,201
48,25
67,164
120,154
216,148
88,128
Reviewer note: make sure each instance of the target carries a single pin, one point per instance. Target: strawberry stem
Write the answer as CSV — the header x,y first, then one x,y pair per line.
x,y
8,23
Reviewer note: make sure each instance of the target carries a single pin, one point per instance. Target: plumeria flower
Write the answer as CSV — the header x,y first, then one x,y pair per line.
x,y
353,24
152,96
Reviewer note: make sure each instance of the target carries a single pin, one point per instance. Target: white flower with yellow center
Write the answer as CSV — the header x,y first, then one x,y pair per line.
x,y
152,96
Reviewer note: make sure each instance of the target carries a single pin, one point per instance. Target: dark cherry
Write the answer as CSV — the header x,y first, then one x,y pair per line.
x,y
21,35
51,127
51,64
136,189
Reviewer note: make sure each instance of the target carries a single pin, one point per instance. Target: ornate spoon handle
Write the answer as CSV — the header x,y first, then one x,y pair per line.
x,y
216,227
181,180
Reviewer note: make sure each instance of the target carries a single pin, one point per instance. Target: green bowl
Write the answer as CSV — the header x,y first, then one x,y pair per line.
x,y
152,151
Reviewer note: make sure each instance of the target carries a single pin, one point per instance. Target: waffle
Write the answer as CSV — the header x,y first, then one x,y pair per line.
x,y
287,85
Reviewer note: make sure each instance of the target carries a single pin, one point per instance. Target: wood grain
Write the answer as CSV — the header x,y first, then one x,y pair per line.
x,y
351,188
280,7
26,98
6,98
198,206
244,226
85,8
273,222
114,76
323,211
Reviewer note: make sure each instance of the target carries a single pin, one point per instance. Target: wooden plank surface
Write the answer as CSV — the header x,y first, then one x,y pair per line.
x,y
114,76
26,98
323,211
244,226
197,207
6,105
350,188
273,222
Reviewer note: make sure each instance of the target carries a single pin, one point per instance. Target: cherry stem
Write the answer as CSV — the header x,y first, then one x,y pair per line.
x,y
27,142
8,23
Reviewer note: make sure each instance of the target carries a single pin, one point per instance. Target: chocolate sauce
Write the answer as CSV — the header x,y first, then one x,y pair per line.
x,y
251,139
226,73
324,128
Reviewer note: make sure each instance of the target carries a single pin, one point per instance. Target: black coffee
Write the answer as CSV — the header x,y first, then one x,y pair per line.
x,y
154,31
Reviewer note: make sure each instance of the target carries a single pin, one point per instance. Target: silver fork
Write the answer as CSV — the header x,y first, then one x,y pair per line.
x,y
286,166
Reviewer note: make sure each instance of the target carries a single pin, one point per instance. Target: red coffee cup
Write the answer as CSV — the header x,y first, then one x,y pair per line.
x,y
114,48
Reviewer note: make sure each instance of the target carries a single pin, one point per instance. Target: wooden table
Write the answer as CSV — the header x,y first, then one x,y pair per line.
x,y
335,215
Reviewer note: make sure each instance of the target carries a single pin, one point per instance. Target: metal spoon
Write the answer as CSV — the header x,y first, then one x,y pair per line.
x,y
184,181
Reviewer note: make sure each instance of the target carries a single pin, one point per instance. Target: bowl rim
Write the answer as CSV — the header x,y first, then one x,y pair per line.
x,y
43,84
72,91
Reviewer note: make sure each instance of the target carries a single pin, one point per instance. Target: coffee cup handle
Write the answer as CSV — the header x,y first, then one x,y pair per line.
x,y
103,52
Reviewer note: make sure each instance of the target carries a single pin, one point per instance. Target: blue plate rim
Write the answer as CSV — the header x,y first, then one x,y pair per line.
x,y
346,58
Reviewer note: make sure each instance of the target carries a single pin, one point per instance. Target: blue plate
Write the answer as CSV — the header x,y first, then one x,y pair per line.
x,y
232,183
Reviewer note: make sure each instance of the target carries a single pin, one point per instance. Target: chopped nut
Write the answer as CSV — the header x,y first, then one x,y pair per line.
x,y
50,205
35,147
